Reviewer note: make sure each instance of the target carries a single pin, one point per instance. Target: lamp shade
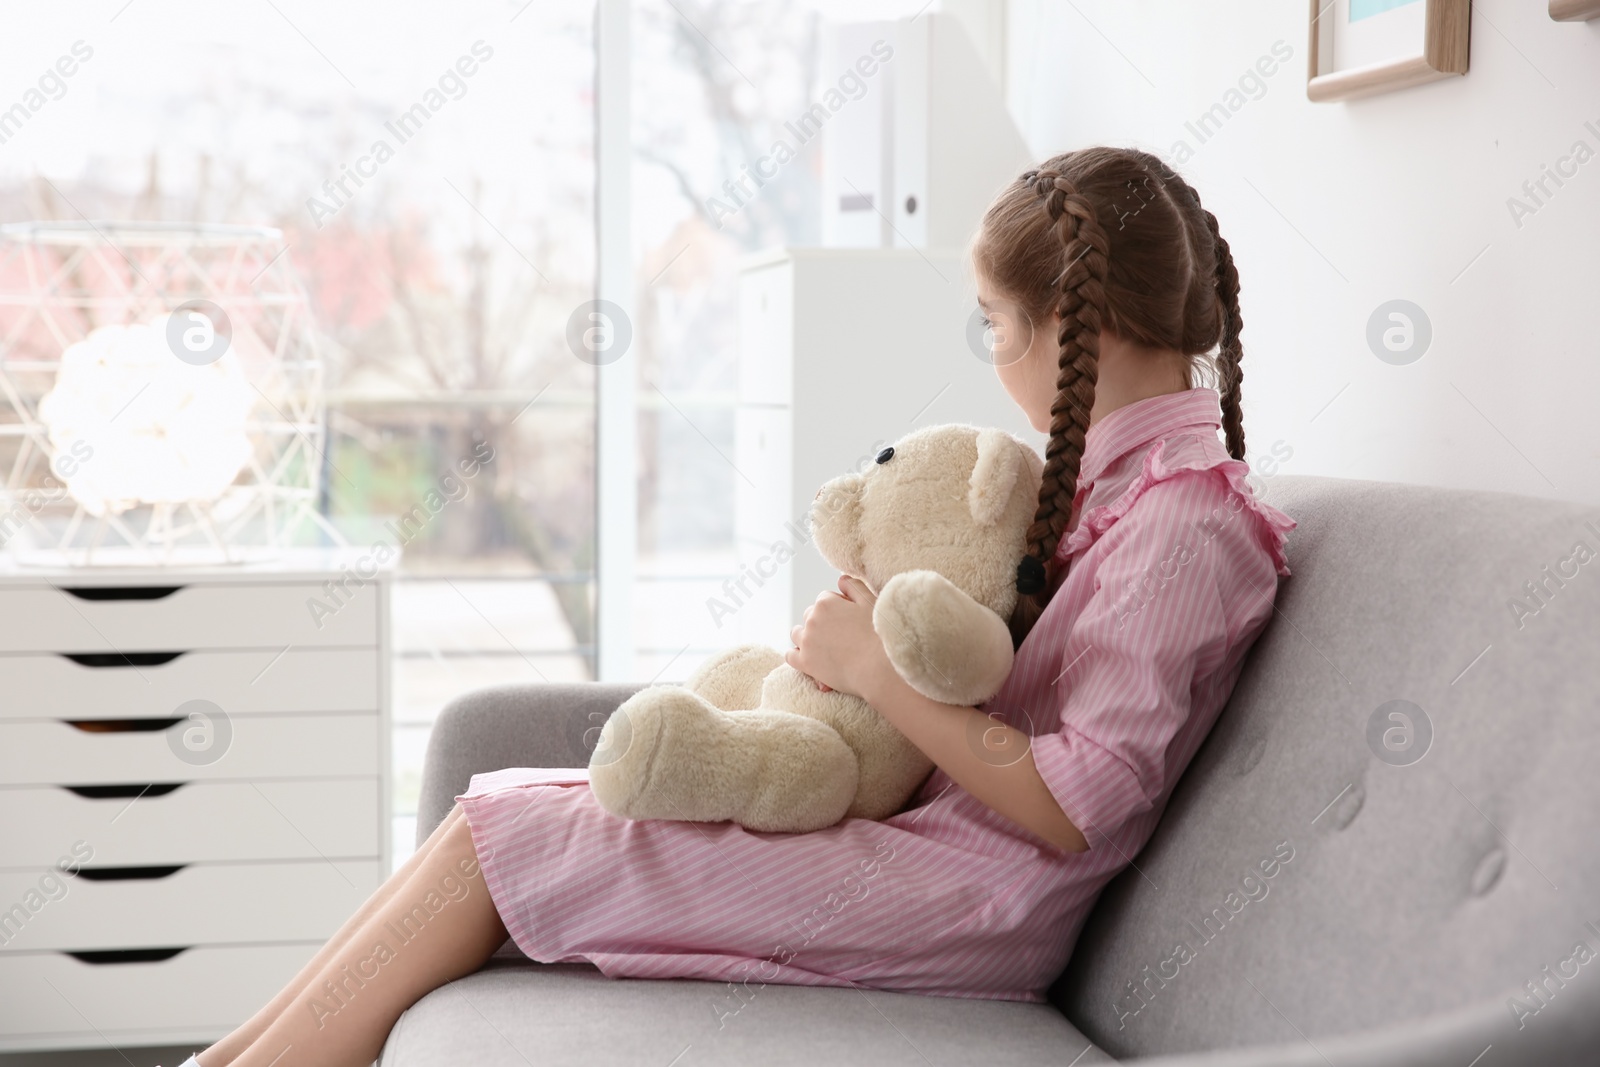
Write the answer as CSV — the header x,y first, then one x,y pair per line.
x,y
155,429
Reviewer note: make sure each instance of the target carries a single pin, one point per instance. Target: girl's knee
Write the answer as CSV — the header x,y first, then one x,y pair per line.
x,y
456,843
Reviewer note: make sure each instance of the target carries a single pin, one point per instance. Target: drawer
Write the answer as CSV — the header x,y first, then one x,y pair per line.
x,y
194,905
261,680
44,618
201,821
195,997
237,747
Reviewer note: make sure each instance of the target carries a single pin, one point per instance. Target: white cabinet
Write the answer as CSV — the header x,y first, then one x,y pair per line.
x,y
841,350
206,751
766,334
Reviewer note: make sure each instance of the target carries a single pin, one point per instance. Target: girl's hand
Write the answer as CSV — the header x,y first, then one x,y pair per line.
x,y
839,649
835,643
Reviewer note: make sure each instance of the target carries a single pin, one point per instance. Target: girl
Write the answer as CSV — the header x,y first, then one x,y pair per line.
x,y
1150,570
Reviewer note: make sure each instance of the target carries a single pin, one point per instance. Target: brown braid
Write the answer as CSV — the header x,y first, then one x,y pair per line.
x,y
1171,289
1225,286
1081,305
1229,354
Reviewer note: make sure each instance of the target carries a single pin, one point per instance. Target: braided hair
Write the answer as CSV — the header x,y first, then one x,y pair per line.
x,y
1108,239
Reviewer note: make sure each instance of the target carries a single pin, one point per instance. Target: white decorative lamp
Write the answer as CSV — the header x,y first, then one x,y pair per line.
x,y
165,395
149,428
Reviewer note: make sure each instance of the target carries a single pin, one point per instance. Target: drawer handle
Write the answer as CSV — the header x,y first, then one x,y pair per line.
x,y
123,791
120,592
127,955
129,874
121,659
123,726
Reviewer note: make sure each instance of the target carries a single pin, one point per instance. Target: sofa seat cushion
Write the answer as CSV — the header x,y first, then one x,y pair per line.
x,y
513,1013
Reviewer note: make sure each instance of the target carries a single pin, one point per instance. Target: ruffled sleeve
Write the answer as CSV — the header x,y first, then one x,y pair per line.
x,y
1157,620
1185,453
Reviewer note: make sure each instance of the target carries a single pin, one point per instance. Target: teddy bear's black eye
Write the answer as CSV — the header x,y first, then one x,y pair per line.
x,y
885,455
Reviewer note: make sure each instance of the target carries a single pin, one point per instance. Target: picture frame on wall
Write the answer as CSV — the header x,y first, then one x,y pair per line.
x,y
1361,47
1574,10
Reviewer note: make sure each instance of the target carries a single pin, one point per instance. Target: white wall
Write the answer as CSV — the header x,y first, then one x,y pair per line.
x,y
1398,194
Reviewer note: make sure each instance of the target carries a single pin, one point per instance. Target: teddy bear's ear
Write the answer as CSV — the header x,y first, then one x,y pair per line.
x,y
994,475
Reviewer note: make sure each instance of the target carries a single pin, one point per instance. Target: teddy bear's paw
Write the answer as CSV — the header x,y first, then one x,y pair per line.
x,y
650,752
945,644
732,680
805,778
670,755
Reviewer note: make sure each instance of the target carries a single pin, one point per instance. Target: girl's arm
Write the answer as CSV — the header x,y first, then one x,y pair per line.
x,y
987,758
837,647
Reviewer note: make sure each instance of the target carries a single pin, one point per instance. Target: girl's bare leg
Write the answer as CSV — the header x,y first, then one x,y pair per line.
x,y
435,927
224,1051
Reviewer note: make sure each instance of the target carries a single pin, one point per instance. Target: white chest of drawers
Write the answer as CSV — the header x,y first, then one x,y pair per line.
x,y
193,790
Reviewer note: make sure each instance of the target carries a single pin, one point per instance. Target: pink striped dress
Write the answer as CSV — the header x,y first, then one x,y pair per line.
x,y
1173,570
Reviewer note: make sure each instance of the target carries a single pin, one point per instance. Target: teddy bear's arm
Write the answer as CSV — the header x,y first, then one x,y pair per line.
x,y
945,644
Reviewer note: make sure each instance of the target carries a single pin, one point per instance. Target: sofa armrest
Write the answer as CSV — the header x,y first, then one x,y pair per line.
x,y
538,725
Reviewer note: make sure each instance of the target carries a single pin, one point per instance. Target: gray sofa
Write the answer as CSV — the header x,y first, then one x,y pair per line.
x,y
1434,912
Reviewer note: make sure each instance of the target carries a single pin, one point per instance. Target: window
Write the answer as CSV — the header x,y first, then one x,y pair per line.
x,y
713,84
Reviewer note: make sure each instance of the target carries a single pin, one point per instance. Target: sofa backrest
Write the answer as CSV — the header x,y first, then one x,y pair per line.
x,y
1311,876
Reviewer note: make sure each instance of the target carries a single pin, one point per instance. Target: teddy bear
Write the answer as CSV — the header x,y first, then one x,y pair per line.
x,y
936,530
